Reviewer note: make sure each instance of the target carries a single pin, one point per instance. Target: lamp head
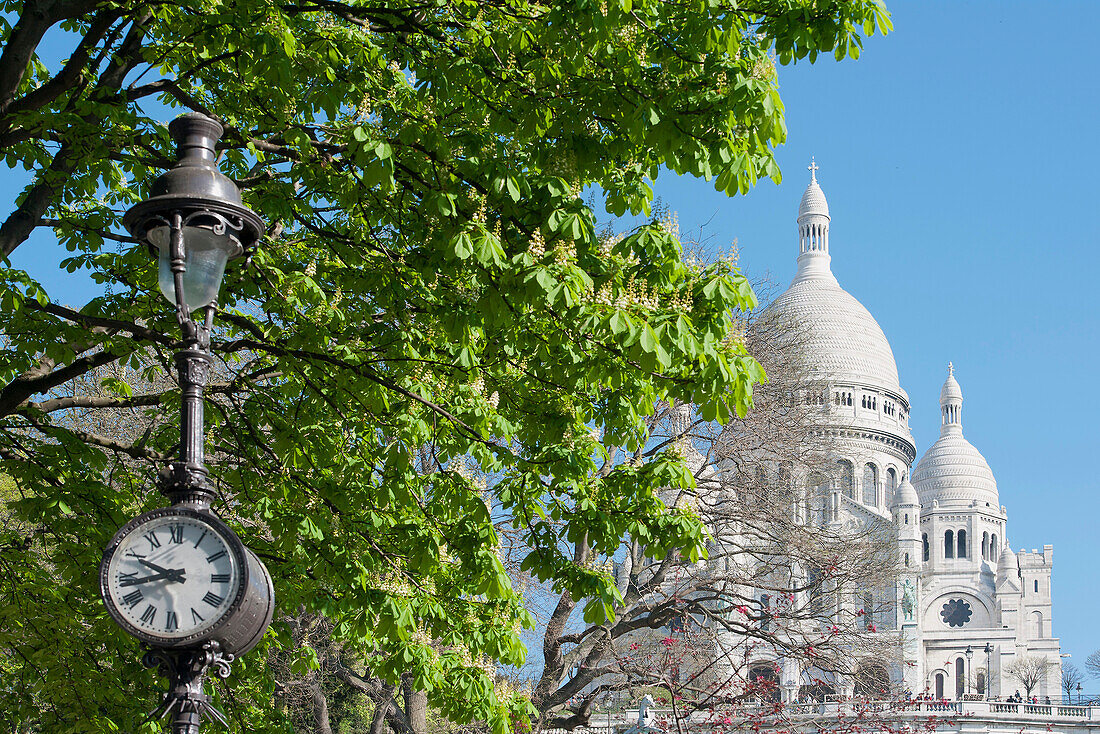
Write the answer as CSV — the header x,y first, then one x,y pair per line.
x,y
197,203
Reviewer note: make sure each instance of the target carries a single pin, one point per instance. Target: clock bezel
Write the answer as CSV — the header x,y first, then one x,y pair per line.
x,y
236,547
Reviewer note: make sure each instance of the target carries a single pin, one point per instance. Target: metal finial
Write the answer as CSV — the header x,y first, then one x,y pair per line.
x,y
812,168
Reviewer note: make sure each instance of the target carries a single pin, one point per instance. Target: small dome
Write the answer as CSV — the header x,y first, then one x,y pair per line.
x,y
951,391
1006,564
813,199
954,472
906,494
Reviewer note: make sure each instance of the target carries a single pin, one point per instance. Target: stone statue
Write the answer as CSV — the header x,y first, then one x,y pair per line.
x,y
908,600
645,716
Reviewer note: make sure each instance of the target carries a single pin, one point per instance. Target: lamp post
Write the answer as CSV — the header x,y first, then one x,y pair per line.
x,y
178,578
969,668
988,670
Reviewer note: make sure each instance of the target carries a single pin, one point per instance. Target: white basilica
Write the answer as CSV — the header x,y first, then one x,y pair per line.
x,y
966,604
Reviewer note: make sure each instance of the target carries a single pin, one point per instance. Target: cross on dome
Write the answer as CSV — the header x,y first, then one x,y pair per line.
x,y
813,169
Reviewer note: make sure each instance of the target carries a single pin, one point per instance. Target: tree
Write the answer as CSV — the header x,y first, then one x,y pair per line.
x,y
1071,678
430,294
1092,664
1030,670
779,580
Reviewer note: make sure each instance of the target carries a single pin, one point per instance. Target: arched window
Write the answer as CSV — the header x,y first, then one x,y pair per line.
x,y
1037,625
817,491
949,544
868,611
985,546
847,478
907,560
993,547
924,538
891,483
939,686
960,677
979,682
962,545
765,612
870,485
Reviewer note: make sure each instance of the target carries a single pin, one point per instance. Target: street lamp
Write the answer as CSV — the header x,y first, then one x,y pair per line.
x,y
969,656
178,578
1078,694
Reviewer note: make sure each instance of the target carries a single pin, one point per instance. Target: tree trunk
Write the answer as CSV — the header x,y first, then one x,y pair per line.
x,y
321,723
416,708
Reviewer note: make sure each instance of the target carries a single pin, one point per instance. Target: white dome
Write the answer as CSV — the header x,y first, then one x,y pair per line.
x,y
842,341
955,472
813,201
906,494
951,389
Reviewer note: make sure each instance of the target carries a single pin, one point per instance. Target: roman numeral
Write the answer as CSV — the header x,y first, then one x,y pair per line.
x,y
153,541
216,556
219,578
195,616
176,533
149,614
124,576
131,600
171,624
213,599
134,554
200,538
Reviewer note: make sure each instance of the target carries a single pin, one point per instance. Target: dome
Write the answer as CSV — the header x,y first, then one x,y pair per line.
x,y
839,337
952,471
1008,569
813,198
951,389
842,342
905,494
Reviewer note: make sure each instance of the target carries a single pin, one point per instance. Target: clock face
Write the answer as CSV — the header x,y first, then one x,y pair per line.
x,y
172,576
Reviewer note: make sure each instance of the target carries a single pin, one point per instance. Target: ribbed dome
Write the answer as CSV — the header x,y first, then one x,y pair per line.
x,y
813,201
954,472
840,338
906,494
951,389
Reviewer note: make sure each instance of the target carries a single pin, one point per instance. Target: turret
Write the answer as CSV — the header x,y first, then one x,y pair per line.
x,y
951,401
813,231
1008,570
906,509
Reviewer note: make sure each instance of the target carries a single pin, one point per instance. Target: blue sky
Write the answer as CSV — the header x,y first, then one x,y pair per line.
x,y
960,158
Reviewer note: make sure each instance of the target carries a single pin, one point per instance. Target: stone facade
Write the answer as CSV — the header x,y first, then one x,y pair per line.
x,y
962,588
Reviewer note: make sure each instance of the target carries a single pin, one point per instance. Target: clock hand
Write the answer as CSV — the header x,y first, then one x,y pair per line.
x,y
177,578
173,574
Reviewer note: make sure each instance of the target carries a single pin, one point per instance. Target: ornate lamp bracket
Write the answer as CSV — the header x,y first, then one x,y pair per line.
x,y
186,671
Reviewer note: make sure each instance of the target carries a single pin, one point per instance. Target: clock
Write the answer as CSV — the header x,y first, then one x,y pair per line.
x,y
179,577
